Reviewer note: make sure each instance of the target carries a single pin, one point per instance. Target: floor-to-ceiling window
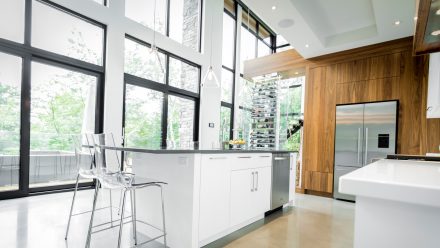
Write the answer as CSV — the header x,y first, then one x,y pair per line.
x,y
51,79
228,71
161,98
178,19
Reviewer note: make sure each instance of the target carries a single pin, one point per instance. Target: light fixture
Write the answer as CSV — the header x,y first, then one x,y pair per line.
x,y
296,73
274,7
437,12
397,23
307,45
153,49
210,80
436,32
415,18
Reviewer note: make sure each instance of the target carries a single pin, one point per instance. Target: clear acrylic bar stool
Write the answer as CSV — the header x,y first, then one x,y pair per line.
x,y
86,169
126,182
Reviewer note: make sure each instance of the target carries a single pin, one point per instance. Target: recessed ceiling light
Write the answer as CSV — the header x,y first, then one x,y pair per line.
x,y
415,18
307,45
437,12
296,73
274,7
435,33
397,23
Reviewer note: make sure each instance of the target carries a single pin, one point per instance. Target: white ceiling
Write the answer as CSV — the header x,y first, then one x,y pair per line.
x,y
329,26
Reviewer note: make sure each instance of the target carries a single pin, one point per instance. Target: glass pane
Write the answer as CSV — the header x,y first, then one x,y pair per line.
x,y
181,113
225,124
142,11
230,6
248,20
247,44
285,48
263,49
142,62
245,92
12,20
143,117
263,33
244,122
59,32
185,22
62,105
228,41
227,85
281,41
10,93
183,75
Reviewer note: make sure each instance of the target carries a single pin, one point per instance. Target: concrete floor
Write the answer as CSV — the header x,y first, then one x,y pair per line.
x,y
40,221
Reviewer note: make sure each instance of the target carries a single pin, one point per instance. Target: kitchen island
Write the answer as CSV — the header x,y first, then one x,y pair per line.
x,y
397,203
210,193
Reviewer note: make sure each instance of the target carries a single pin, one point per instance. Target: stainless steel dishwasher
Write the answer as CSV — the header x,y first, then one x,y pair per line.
x,y
280,179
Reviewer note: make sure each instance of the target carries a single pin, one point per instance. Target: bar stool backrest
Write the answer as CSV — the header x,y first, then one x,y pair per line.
x,y
83,152
106,159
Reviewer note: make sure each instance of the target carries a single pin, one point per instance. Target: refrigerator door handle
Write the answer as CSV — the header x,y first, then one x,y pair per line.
x,y
359,146
366,146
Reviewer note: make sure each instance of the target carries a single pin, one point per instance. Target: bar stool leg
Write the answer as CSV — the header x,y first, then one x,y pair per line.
x,y
71,206
89,234
111,208
121,224
163,217
133,214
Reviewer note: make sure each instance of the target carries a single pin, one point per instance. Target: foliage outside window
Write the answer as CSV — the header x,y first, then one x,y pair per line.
x,y
143,117
184,76
142,11
290,98
225,119
181,113
10,96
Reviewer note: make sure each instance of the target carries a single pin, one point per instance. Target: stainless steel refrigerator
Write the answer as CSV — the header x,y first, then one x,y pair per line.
x,y
364,133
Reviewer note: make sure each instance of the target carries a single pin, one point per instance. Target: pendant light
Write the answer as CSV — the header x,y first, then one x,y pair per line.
x,y
210,80
154,50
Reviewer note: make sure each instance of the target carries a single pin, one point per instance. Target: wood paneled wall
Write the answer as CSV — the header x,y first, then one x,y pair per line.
x,y
385,71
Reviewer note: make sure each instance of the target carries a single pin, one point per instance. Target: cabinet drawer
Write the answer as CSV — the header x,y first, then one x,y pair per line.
x,y
251,160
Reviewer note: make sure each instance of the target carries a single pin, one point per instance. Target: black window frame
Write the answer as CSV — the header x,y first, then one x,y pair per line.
x,y
233,71
28,53
166,89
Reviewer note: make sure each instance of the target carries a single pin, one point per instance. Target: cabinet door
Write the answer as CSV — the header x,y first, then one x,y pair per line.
x,y
433,104
214,194
242,191
261,194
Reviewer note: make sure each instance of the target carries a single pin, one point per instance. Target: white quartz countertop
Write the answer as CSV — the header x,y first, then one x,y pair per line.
x,y
416,182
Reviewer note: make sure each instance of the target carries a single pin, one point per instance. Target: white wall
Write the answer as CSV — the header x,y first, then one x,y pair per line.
x,y
118,25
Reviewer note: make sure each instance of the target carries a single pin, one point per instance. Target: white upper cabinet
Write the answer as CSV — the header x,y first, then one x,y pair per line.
x,y
433,106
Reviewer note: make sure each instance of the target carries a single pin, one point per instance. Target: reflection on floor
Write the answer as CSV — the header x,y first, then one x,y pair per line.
x,y
40,221
316,222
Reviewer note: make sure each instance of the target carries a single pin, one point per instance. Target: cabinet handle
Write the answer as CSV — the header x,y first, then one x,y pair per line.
x,y
217,158
244,157
429,109
253,181
264,156
256,188
280,158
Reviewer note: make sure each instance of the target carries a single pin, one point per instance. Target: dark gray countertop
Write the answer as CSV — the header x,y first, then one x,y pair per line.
x,y
203,151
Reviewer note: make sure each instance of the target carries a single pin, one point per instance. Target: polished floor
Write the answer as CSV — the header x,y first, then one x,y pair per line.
x,y
315,222
40,221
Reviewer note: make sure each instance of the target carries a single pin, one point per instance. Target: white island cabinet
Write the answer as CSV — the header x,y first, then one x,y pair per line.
x,y
208,196
397,204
